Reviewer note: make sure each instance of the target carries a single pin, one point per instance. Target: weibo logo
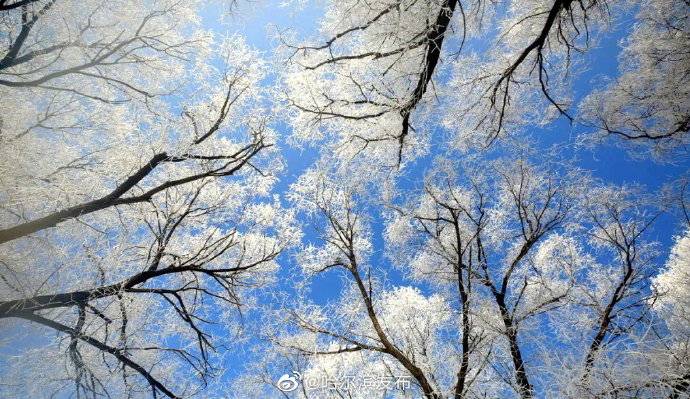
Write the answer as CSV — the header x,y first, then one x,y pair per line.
x,y
287,383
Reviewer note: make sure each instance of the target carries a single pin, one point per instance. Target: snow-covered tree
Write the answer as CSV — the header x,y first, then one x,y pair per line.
x,y
136,212
383,75
672,306
648,102
362,82
528,282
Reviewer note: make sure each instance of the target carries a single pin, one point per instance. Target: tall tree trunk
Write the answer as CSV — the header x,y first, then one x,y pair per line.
x,y
524,386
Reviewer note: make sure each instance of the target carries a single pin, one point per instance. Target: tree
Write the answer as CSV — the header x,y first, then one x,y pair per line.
x,y
372,70
673,308
75,70
522,287
461,229
150,220
117,48
386,73
648,101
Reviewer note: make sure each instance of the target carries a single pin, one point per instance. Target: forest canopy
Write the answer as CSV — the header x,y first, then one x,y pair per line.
x,y
345,199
